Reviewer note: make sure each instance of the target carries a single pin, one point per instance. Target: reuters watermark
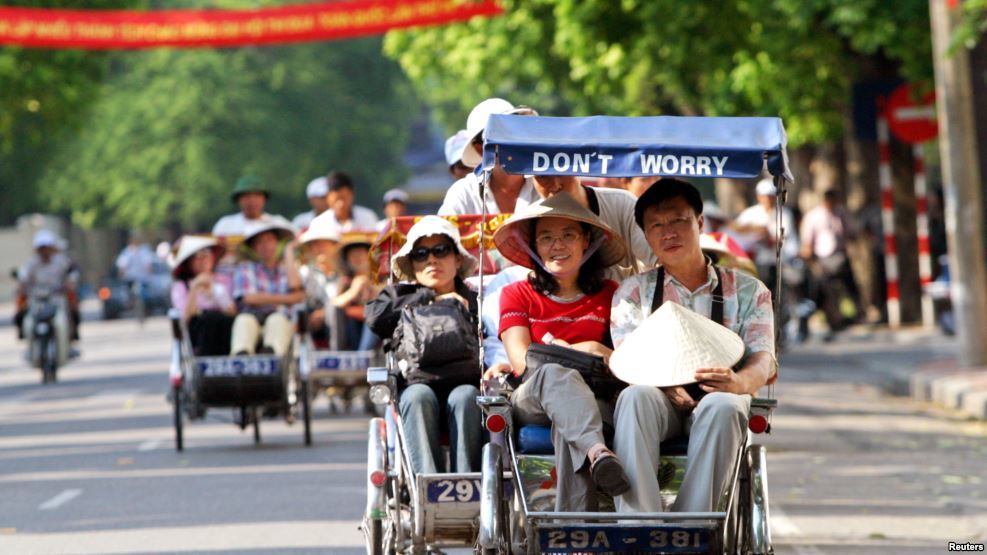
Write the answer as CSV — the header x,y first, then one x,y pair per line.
x,y
965,546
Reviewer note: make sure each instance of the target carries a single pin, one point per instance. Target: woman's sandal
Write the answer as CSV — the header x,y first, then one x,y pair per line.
x,y
609,474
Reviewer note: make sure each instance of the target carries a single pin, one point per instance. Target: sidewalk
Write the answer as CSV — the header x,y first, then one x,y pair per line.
x,y
915,362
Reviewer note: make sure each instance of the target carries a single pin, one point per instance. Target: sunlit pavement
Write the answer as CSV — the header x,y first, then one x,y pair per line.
x,y
88,465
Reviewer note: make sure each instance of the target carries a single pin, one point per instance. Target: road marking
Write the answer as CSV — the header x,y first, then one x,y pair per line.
x,y
60,499
783,526
149,445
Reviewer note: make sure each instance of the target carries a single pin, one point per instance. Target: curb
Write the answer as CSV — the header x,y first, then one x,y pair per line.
x,y
944,383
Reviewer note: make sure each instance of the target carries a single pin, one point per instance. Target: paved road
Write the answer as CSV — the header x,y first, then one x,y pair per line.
x,y
88,465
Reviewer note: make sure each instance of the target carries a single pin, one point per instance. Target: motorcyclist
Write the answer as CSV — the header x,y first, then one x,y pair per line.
x,y
48,271
134,264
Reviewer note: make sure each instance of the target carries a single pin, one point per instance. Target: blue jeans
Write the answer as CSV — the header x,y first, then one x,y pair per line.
x,y
421,419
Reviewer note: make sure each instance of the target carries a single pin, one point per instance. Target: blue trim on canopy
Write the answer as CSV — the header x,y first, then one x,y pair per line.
x,y
612,146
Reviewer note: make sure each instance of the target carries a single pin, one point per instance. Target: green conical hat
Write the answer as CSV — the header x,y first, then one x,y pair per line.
x,y
249,184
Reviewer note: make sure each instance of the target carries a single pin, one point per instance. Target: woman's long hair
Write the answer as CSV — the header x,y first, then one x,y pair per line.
x,y
590,279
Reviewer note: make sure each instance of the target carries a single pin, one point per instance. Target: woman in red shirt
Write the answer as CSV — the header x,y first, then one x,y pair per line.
x,y
565,301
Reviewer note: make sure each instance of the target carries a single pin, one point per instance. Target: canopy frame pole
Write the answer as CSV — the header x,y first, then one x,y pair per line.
x,y
781,195
484,183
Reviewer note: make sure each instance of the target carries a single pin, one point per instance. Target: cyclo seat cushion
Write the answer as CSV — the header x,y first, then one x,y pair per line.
x,y
537,440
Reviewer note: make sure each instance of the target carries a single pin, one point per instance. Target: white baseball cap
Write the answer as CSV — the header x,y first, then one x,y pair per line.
x,y
396,195
455,145
318,187
46,238
477,121
766,187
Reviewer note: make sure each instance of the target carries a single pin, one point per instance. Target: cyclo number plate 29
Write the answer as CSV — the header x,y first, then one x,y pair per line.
x,y
231,367
623,538
460,490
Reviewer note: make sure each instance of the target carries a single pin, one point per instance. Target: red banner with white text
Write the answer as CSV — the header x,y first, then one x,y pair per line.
x,y
106,30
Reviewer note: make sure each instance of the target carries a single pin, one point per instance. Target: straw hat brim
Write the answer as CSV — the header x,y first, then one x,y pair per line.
x,y
515,234
189,245
687,342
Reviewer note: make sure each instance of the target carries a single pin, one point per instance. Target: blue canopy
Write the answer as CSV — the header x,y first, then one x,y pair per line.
x,y
611,146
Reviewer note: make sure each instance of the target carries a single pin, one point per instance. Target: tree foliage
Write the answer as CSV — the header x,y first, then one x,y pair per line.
x,y
173,129
43,94
793,58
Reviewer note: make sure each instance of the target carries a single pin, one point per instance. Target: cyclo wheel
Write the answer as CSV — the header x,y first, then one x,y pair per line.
x,y
176,392
738,520
375,538
492,522
758,532
254,414
306,411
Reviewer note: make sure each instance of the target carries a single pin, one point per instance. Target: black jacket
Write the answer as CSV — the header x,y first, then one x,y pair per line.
x,y
383,314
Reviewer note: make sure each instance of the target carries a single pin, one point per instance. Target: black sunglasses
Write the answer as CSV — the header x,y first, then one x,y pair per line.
x,y
420,254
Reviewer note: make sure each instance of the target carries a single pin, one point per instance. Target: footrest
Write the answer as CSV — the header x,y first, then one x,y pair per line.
x,y
537,440
627,537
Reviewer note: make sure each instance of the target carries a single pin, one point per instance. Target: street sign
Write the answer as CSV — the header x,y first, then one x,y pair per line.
x,y
911,121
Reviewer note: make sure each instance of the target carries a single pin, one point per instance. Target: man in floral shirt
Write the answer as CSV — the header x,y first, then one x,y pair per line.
x,y
715,412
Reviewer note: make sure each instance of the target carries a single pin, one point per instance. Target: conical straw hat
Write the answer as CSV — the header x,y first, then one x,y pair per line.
x,y
671,344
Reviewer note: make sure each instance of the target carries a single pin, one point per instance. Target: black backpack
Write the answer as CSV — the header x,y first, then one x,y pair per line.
x,y
437,341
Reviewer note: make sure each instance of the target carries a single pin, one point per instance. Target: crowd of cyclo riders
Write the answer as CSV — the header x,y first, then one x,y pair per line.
x,y
582,265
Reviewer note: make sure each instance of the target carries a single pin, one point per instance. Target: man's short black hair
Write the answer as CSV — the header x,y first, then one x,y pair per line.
x,y
339,180
664,189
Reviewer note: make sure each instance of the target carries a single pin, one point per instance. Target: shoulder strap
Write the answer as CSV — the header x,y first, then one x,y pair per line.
x,y
659,296
716,314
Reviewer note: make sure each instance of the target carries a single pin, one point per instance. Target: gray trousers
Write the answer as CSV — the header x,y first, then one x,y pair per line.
x,y
420,417
717,429
558,396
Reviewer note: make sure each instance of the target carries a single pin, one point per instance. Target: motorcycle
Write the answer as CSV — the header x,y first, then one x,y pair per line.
x,y
47,332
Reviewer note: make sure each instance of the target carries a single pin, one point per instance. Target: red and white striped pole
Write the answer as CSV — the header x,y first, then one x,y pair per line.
x,y
887,221
922,227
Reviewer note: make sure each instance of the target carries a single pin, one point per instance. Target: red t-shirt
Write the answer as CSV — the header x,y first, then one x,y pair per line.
x,y
587,319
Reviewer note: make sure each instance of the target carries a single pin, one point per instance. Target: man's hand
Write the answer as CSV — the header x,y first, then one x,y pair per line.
x,y
720,379
499,369
679,397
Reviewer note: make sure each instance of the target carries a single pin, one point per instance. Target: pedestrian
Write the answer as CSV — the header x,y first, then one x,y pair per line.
x,y
757,225
825,231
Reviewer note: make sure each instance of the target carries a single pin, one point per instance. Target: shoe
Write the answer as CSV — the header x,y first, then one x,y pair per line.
x,y
241,353
609,475
265,350
74,352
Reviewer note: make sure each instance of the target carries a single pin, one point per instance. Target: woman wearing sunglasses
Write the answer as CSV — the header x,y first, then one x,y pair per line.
x,y
564,302
431,266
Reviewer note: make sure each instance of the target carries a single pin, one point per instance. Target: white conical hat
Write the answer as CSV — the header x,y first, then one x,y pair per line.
x,y
671,344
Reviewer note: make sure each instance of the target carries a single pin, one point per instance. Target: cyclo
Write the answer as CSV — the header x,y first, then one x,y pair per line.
x,y
254,385
410,512
330,366
518,481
